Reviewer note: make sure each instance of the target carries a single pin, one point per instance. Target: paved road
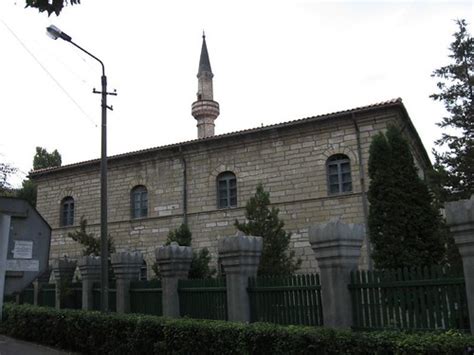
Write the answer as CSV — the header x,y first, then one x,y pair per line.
x,y
10,346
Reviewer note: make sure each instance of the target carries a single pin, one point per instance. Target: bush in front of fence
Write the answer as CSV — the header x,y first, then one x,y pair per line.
x,y
93,332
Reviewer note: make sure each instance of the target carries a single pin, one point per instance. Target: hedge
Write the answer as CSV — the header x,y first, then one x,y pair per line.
x,y
94,333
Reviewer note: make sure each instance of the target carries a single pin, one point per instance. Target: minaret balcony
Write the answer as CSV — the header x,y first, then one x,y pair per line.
x,y
205,109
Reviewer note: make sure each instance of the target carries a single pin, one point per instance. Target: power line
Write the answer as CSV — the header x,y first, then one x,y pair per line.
x,y
49,74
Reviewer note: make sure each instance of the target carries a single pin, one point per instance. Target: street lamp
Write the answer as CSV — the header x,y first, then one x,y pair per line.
x,y
55,33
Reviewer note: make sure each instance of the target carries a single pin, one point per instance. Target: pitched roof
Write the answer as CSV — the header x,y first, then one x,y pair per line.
x,y
385,104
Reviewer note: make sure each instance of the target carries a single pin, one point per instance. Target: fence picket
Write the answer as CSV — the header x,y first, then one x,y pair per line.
x,y
418,299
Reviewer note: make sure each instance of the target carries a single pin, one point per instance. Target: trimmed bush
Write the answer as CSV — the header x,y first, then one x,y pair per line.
x,y
94,333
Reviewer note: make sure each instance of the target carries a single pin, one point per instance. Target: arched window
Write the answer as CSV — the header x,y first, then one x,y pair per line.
x,y
339,174
67,211
139,201
226,190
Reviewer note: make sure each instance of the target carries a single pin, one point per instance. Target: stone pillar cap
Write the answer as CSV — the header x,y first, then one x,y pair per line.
x,y
126,257
240,243
460,212
173,251
336,231
64,263
89,260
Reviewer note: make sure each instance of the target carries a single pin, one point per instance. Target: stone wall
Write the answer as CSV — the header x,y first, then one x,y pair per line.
x,y
290,162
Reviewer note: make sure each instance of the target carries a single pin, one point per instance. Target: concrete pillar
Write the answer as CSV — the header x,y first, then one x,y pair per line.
x,y
38,285
89,267
337,248
63,272
174,262
460,219
240,257
126,267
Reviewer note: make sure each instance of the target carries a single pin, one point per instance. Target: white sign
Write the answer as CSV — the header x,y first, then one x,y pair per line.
x,y
23,249
22,265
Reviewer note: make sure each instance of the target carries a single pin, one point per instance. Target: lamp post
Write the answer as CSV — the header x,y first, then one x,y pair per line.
x,y
55,33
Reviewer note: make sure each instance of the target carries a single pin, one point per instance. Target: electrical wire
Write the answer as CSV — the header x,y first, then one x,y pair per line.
x,y
49,74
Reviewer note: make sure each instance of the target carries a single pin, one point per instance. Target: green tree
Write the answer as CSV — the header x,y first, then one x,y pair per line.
x,y
182,236
6,170
200,268
455,161
264,222
90,243
43,159
404,225
50,6
28,191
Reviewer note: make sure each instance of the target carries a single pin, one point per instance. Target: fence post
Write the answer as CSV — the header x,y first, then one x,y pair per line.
x,y
63,271
240,257
38,285
89,267
460,219
174,262
337,249
126,267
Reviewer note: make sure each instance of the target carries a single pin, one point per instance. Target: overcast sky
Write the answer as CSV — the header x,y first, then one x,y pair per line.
x,y
273,61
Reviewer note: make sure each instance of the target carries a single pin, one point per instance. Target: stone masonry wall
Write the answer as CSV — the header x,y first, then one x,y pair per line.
x,y
290,162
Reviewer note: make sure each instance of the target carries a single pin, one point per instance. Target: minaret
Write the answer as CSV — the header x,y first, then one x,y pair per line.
x,y
205,110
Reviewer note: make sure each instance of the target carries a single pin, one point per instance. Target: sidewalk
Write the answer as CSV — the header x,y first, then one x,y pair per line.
x,y
11,346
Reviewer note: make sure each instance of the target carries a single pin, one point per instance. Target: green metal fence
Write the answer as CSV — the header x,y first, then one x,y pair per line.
x,y
96,297
421,299
205,299
286,300
146,297
27,296
47,295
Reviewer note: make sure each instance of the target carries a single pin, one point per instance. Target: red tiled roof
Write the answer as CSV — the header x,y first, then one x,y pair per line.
x,y
388,103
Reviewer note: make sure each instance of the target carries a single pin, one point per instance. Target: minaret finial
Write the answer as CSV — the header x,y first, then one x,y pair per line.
x,y
203,34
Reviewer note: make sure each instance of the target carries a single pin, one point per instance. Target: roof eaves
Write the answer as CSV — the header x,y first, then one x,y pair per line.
x,y
384,104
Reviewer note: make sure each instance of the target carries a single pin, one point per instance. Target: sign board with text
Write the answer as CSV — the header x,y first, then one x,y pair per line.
x,y
27,238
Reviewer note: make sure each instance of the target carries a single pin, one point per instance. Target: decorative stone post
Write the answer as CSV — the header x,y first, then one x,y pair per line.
x,y
38,285
460,219
174,262
126,267
63,271
240,257
337,248
89,267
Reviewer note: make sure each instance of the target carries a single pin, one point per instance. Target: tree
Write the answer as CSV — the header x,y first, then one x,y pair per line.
x,y
50,6
89,241
200,263
43,159
264,222
455,163
5,171
28,192
404,225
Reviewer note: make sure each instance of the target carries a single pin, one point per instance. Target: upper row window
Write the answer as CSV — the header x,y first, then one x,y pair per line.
x,y
139,201
226,190
339,174
67,211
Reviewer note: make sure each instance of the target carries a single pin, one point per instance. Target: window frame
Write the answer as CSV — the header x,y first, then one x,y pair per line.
x,y
230,190
342,163
66,214
140,191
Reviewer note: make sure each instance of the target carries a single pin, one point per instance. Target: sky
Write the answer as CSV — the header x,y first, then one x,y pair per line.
x,y
273,61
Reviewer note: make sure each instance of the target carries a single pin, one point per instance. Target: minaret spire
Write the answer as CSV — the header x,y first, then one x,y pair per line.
x,y
205,110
